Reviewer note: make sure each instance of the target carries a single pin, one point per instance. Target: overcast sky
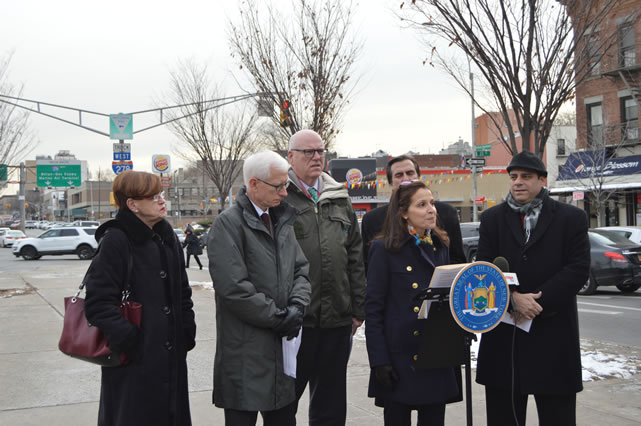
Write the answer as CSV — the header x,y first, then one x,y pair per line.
x,y
116,56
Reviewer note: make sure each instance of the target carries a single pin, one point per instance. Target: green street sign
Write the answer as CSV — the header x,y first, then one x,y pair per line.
x,y
485,147
121,126
482,153
58,174
3,172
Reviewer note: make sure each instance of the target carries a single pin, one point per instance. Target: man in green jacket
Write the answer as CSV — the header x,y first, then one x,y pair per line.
x,y
260,278
327,230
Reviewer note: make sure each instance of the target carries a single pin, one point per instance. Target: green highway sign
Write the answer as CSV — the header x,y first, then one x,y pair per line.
x,y
3,172
121,126
58,173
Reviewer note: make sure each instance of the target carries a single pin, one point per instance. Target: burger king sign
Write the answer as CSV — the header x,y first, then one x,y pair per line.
x,y
161,163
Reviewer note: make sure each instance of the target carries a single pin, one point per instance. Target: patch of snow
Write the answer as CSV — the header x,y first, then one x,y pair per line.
x,y
204,284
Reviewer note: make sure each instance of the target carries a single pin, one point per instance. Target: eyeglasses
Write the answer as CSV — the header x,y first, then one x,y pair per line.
x,y
276,187
309,153
158,196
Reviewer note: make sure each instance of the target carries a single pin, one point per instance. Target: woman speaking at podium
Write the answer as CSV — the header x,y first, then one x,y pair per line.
x,y
401,263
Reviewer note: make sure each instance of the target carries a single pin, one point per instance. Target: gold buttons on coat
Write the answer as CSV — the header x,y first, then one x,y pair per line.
x,y
414,285
409,269
416,309
416,333
415,357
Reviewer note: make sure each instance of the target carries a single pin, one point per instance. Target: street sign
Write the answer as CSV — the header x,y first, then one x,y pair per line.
x,y
121,126
485,147
578,195
476,161
122,147
161,163
483,153
122,156
165,181
122,166
477,169
58,173
3,172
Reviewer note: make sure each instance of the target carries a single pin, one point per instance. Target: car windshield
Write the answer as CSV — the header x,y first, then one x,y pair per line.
x,y
469,230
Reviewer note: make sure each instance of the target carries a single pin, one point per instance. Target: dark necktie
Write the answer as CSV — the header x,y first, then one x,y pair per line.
x,y
265,218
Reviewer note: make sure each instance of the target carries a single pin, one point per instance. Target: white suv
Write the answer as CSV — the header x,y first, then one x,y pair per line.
x,y
57,241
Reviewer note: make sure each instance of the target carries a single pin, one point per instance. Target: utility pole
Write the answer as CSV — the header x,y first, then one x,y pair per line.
x,y
21,198
475,215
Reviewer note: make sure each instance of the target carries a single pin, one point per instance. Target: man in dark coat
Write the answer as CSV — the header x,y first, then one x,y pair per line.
x,y
546,244
404,169
262,290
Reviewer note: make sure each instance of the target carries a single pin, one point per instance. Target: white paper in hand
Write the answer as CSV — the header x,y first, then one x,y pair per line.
x,y
290,351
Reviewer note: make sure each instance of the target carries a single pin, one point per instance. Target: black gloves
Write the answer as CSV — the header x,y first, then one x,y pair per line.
x,y
385,375
291,323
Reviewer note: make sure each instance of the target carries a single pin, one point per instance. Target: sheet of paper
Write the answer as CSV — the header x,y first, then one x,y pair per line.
x,y
443,276
425,309
290,351
523,324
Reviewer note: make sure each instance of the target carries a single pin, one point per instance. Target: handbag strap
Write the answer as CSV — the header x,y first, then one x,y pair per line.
x,y
126,291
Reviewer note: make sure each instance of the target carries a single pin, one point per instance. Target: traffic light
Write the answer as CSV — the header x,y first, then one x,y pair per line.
x,y
285,115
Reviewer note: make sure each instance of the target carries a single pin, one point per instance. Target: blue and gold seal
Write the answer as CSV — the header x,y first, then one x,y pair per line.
x,y
479,297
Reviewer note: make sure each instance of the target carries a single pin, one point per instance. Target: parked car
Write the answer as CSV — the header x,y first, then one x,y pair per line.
x,y
30,224
615,261
10,237
85,223
57,241
632,233
470,234
180,234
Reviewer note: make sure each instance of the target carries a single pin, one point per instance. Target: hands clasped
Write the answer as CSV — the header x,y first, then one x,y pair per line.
x,y
292,321
526,304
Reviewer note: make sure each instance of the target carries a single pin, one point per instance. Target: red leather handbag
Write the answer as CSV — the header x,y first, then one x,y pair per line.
x,y
83,341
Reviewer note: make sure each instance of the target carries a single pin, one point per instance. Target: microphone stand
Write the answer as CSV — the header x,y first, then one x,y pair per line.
x,y
441,296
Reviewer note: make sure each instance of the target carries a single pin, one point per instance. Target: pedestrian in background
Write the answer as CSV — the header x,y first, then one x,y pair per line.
x,y
152,388
194,248
401,263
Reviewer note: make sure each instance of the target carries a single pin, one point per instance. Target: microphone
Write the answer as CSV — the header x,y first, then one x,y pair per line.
x,y
502,263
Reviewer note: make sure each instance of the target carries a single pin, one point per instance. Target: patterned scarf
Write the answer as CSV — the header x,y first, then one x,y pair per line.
x,y
418,240
530,211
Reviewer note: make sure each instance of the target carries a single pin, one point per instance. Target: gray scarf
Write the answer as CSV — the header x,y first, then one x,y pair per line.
x,y
530,211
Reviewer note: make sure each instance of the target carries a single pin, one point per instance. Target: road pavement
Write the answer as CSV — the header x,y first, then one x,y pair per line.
x,y
39,385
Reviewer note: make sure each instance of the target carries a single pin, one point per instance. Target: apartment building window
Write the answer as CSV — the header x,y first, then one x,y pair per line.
x,y
595,125
594,56
630,118
627,56
560,147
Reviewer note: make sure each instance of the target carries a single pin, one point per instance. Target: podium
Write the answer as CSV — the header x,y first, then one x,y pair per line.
x,y
444,343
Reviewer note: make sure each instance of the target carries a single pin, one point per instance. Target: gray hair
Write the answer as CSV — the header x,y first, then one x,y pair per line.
x,y
294,138
260,165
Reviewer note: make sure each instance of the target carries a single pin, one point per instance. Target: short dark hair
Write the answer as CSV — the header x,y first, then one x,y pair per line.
x,y
394,233
398,159
133,184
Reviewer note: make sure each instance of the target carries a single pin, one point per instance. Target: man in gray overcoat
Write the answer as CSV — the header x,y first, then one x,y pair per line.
x,y
260,278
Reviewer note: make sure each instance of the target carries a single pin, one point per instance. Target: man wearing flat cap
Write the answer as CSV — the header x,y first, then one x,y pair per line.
x,y
546,245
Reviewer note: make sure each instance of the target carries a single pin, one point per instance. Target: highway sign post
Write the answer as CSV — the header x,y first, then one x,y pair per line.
x,y
58,173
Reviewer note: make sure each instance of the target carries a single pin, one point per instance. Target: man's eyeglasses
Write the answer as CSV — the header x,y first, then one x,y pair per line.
x,y
276,187
309,153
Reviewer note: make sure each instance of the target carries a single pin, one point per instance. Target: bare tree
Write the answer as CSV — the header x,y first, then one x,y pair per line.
x,y
306,58
219,138
530,54
16,138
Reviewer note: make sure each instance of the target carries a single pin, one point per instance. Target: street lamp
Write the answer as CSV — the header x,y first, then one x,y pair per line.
x,y
474,175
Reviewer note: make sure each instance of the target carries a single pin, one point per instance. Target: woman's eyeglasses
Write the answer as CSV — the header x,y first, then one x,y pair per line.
x,y
155,198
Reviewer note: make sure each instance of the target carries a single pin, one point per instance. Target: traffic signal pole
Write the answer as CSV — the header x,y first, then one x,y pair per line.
x,y
475,215
21,197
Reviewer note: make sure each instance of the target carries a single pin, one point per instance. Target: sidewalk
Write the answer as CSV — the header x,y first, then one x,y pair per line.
x,y
39,385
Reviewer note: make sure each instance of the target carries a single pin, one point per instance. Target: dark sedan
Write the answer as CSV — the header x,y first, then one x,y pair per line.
x,y
470,234
615,261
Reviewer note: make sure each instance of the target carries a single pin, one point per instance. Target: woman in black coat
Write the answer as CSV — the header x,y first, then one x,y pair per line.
x,y
152,388
401,264
192,242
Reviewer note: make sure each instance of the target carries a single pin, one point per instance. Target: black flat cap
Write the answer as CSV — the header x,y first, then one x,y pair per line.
x,y
528,161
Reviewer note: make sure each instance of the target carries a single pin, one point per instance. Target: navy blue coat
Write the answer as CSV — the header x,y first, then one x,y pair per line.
x,y
392,327
555,261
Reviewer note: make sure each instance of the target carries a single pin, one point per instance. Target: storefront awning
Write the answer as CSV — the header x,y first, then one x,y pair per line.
x,y
587,165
